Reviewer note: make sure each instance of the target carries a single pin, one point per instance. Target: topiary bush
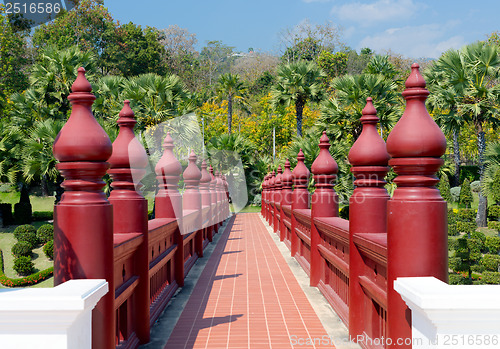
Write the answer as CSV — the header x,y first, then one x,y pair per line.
x,y
444,188
495,225
48,249
22,213
493,244
465,194
22,229
45,233
466,215
494,212
23,265
457,279
491,278
491,262
43,215
30,237
455,194
466,227
22,248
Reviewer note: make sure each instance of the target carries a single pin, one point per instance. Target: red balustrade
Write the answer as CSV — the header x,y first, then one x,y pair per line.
x,y
355,262
143,261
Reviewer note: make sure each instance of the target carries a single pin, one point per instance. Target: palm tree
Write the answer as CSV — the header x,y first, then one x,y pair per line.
x,y
233,90
341,113
472,72
298,83
443,101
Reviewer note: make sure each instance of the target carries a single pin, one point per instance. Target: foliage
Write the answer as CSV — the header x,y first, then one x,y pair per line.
x,y
333,65
296,84
444,188
467,252
475,186
26,281
43,215
491,278
495,225
23,265
45,233
22,230
491,181
465,194
215,59
491,262
341,113
231,88
466,215
22,213
455,194
48,249
22,248
458,279
494,211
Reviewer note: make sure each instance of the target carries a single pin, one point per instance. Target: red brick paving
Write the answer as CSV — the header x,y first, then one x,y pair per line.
x,y
247,297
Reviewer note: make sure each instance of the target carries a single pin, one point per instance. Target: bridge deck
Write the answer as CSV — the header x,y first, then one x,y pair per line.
x,y
247,297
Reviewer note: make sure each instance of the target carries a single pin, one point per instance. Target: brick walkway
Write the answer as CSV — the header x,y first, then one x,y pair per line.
x,y
247,297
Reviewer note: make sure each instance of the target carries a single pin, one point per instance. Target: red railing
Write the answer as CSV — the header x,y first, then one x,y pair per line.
x,y
354,262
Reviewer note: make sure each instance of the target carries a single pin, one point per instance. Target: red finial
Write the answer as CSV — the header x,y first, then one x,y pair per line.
x,y
205,176
300,172
81,83
416,134
128,152
82,138
168,164
286,177
324,163
192,173
369,148
277,181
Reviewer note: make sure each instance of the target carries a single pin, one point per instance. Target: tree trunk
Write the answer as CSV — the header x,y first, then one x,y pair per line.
x,y
229,112
299,108
456,158
481,218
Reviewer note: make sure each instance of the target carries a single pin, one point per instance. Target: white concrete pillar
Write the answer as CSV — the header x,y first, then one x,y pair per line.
x,y
451,316
49,318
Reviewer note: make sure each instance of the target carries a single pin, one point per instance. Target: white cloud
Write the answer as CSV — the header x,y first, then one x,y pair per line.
x,y
427,40
379,11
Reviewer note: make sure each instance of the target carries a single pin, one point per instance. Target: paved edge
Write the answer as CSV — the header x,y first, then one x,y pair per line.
x,y
334,327
163,327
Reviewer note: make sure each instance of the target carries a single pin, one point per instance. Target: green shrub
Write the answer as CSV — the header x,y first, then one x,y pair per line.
x,y
491,262
452,244
22,248
45,233
455,194
23,229
478,268
30,237
494,211
444,188
457,279
48,249
466,227
466,215
475,186
257,200
465,194
43,215
491,277
23,265
452,229
469,172
495,187
6,213
22,213
344,212
25,281
495,225
493,244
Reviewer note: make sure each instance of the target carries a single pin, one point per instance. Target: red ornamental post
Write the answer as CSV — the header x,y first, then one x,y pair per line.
x,y
213,200
263,197
367,206
226,197
286,196
270,218
168,200
206,198
130,209
417,214
268,190
300,196
324,201
277,200
219,197
191,199
83,219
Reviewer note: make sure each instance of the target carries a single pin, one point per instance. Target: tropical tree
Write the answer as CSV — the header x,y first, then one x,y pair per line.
x,y
297,83
491,183
341,113
472,73
231,88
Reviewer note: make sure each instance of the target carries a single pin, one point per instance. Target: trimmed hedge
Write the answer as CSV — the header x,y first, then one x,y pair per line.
x,y
45,233
43,215
23,229
22,248
25,281
23,265
491,278
48,249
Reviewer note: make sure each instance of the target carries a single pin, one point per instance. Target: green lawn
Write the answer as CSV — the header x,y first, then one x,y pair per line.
x,y
38,203
7,240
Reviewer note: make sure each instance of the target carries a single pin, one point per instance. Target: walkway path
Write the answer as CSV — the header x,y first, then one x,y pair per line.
x,y
247,297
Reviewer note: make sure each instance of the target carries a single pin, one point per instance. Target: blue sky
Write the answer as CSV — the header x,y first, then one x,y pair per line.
x,y
410,27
